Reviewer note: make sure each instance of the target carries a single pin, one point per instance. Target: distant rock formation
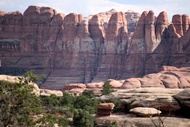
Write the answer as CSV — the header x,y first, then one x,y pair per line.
x,y
76,49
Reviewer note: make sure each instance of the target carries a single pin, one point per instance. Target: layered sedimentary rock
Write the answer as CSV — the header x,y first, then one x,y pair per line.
x,y
177,21
37,31
159,98
161,26
150,38
145,112
169,77
132,20
105,109
114,47
73,49
131,17
10,29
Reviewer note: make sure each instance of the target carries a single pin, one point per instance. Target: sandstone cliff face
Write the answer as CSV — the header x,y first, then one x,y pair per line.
x,y
40,28
10,27
137,44
131,17
71,48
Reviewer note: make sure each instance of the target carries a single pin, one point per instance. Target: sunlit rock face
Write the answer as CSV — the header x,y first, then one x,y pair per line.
x,y
75,49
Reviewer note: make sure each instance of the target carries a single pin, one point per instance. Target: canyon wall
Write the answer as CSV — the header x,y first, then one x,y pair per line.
x,y
76,49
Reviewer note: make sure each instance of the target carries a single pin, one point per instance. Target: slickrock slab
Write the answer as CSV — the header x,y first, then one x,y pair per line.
x,y
46,92
159,98
144,111
126,121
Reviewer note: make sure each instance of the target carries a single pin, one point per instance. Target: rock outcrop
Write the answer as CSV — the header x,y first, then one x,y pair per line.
x,y
14,79
168,77
105,109
150,38
124,121
46,92
36,90
159,98
183,100
148,102
73,49
74,88
145,112
177,21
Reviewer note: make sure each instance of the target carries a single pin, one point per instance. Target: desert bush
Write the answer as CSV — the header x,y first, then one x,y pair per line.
x,y
107,88
88,93
83,102
82,118
18,103
51,100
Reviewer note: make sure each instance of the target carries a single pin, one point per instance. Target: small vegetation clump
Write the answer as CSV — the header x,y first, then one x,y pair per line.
x,y
107,88
19,106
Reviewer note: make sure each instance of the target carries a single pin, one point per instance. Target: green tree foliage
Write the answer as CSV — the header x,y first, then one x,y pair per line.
x,y
63,122
71,106
49,120
63,105
67,99
107,88
30,76
18,104
83,119
85,103
117,104
51,100
88,93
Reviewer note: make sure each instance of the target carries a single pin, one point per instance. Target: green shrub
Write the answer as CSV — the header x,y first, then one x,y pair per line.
x,y
63,122
83,102
107,88
51,100
18,103
88,93
67,99
67,111
83,119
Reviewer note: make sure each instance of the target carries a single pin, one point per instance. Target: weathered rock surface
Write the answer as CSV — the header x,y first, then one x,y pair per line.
x,y
184,101
161,26
74,88
168,77
126,121
159,98
150,38
144,111
132,20
36,90
177,21
137,44
105,109
46,92
13,79
73,49
95,85
131,17
131,83
116,83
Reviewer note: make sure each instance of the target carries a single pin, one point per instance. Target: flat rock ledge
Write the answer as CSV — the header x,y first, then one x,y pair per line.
x,y
159,98
144,111
128,121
